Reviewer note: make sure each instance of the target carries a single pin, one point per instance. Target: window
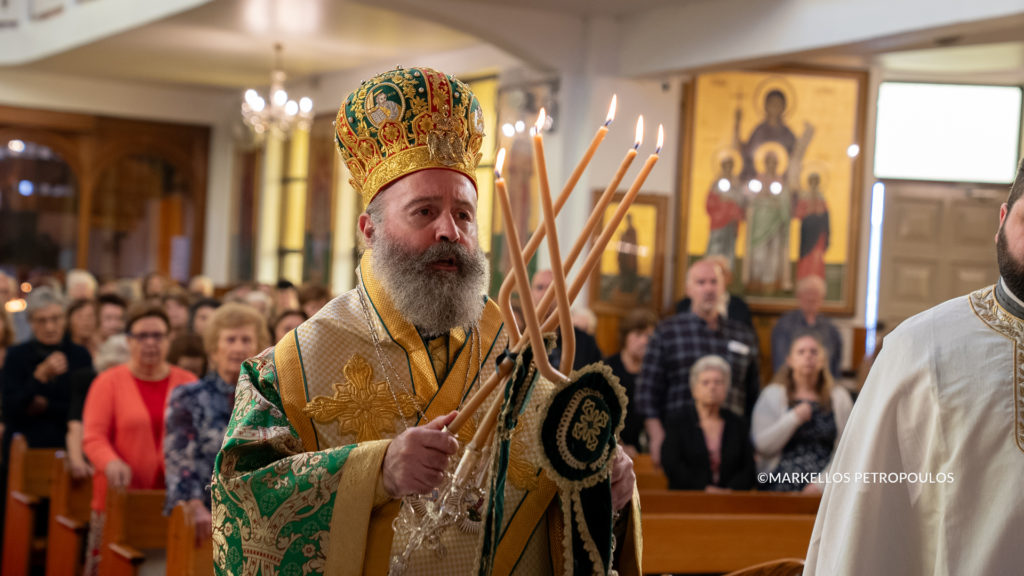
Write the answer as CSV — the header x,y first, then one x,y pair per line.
x,y
38,209
949,133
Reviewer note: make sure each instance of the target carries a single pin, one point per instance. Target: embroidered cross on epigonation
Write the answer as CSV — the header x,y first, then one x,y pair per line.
x,y
590,425
362,407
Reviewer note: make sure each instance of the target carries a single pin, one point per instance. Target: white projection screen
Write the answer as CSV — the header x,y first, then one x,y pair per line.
x,y
947,132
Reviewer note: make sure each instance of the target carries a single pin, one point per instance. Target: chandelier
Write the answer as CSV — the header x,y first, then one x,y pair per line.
x,y
281,114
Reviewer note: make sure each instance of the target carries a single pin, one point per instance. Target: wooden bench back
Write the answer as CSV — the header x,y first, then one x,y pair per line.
x,y
643,464
135,518
69,497
29,476
648,476
31,469
70,510
721,542
695,502
651,481
781,567
184,558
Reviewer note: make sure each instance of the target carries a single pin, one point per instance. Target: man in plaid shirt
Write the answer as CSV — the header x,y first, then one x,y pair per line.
x,y
679,341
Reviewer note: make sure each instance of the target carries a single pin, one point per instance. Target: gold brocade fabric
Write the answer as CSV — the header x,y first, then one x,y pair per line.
x,y
361,406
439,356
345,391
295,485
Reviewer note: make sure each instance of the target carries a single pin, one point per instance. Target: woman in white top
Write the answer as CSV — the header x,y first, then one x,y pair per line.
x,y
799,418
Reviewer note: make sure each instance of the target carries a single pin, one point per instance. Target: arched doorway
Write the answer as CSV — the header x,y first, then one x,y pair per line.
x,y
39,201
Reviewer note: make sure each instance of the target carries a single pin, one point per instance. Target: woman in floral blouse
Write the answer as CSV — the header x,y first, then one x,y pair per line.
x,y
198,413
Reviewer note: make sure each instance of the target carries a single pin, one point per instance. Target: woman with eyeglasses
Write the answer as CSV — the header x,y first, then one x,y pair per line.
x,y
36,380
124,417
36,374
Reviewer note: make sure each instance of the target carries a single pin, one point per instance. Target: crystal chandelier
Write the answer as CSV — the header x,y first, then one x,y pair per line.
x,y
280,114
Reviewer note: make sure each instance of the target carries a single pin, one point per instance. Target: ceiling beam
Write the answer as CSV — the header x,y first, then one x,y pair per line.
x,y
694,35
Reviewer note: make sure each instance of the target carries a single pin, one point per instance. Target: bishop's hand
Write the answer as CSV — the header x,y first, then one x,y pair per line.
x,y
418,457
623,479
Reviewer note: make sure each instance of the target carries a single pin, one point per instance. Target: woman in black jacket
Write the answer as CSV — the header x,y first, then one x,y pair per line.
x,y
707,447
37,375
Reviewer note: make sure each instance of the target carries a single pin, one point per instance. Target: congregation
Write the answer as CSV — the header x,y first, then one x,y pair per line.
x,y
697,402
134,379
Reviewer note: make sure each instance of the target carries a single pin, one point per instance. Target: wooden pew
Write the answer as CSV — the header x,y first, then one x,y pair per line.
x,y
28,491
701,543
651,481
648,476
695,502
782,567
135,522
183,557
643,464
70,510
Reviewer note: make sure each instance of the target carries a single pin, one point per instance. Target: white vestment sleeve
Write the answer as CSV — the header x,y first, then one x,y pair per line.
x,y
867,525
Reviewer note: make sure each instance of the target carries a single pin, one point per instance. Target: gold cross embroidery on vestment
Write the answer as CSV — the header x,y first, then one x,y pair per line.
x,y
363,408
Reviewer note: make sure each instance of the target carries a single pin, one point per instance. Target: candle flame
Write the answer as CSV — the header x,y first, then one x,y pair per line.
x,y
611,110
661,138
541,119
639,131
499,162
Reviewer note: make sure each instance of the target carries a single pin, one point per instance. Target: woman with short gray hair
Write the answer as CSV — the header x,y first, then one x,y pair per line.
x,y
707,447
36,374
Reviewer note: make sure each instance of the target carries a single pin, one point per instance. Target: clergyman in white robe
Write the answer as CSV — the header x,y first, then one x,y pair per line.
x,y
944,400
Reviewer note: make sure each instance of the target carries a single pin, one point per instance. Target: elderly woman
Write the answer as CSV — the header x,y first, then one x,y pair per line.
x,y
706,446
198,414
36,374
799,418
124,417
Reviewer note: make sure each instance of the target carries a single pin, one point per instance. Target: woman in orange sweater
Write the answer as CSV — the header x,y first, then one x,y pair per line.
x,y
124,418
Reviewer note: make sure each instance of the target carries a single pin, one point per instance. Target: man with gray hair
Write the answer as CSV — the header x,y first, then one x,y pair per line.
x,y
810,293
680,340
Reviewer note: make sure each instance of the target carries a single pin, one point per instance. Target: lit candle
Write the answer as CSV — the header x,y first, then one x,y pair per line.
x,y
522,281
570,185
505,295
595,216
554,251
613,224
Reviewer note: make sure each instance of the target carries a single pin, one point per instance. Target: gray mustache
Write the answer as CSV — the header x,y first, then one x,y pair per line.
x,y
446,251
